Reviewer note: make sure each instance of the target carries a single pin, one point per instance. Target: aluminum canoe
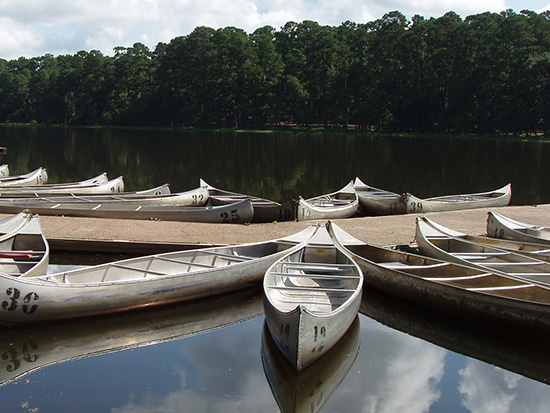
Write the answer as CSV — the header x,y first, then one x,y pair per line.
x,y
32,348
311,297
142,282
340,204
37,177
194,197
499,226
497,198
237,213
24,251
374,201
454,289
439,242
265,210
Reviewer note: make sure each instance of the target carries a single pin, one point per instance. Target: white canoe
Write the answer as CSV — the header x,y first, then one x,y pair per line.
x,y
194,197
439,242
453,289
37,177
311,297
499,226
340,204
497,198
236,213
24,252
143,281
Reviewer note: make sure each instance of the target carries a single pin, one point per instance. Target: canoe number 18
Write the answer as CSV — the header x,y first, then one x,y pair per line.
x,y
29,305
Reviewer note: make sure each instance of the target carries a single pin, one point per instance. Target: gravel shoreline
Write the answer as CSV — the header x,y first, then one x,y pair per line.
x,y
383,230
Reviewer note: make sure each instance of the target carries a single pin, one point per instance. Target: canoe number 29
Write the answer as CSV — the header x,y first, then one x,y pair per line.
x,y
14,300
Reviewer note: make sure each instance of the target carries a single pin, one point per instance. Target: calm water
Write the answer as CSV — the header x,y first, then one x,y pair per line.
x,y
192,357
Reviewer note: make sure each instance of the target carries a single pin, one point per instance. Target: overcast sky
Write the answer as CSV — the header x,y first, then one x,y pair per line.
x,y
36,27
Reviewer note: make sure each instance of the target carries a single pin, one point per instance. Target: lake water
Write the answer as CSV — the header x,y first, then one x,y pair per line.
x,y
212,356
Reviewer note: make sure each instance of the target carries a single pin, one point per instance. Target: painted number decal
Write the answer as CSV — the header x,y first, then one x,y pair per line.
x,y
234,217
14,300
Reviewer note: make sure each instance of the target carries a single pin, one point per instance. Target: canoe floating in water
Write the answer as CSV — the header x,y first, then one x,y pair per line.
x,y
497,198
438,241
499,226
461,291
143,281
374,201
340,204
312,296
309,389
37,177
265,210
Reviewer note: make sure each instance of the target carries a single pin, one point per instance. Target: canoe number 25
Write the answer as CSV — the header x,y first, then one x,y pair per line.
x,y
234,217
29,305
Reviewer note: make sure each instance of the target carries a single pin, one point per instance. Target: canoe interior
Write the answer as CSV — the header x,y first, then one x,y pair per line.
x,y
170,264
468,278
319,278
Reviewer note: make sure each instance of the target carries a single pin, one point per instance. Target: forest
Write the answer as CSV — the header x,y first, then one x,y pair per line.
x,y
488,73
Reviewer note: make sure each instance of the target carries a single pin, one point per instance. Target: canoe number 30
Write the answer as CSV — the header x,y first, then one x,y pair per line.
x,y
28,303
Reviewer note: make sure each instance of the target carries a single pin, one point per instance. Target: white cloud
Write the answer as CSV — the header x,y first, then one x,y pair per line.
x,y
66,26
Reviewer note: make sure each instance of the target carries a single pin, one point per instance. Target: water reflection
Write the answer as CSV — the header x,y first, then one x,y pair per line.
x,y
309,389
281,166
506,346
25,350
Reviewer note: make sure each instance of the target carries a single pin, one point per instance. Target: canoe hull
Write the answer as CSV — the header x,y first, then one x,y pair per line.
x,y
311,297
237,213
136,283
498,198
502,227
374,201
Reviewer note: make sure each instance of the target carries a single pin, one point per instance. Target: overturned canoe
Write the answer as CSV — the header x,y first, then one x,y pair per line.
x,y
374,201
340,204
237,213
24,251
143,281
499,226
97,185
265,210
311,297
461,291
37,177
439,242
497,198
194,197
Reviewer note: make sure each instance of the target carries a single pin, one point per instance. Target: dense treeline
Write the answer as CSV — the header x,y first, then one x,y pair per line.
x,y
487,73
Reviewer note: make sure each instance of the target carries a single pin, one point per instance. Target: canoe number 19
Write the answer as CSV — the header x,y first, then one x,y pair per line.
x,y
13,302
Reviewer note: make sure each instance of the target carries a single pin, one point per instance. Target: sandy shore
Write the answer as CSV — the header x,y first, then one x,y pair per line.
x,y
387,230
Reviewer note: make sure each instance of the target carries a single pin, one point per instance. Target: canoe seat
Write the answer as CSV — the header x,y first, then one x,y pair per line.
x,y
315,276
311,288
190,263
402,266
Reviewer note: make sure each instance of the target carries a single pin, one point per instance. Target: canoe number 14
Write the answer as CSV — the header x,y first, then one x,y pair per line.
x,y
14,300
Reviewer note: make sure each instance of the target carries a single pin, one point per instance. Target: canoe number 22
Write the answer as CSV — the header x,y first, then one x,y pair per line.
x,y
29,305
